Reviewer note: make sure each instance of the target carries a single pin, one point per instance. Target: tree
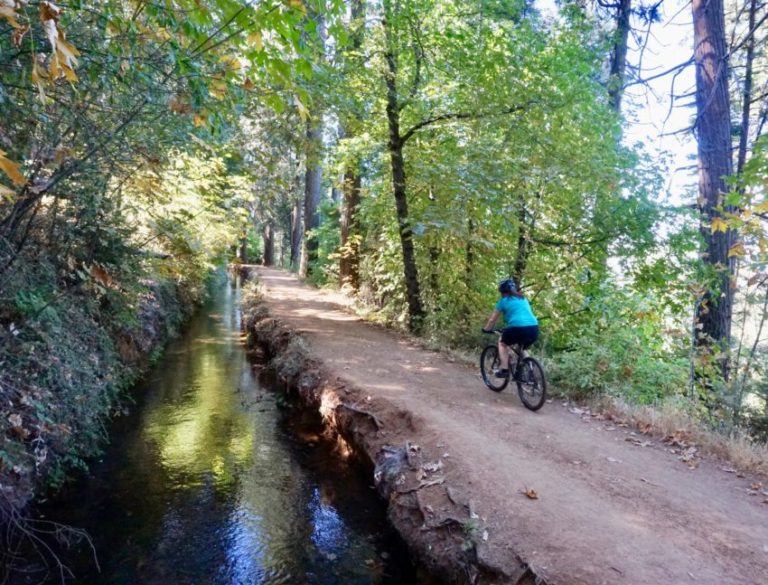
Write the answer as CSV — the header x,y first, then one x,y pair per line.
x,y
713,128
350,236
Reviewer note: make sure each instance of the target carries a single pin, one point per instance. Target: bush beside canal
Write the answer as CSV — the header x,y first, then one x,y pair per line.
x,y
66,357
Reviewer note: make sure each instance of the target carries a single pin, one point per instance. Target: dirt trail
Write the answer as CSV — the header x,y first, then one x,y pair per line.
x,y
609,511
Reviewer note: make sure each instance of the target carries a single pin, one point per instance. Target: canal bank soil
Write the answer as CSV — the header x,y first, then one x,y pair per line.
x,y
486,491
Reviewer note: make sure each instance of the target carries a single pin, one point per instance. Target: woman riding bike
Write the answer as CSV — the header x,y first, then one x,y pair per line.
x,y
520,324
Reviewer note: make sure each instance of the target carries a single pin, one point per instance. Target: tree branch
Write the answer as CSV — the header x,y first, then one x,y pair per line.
x,y
458,116
674,69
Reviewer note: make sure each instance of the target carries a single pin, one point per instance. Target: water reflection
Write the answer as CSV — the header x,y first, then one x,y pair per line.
x,y
204,485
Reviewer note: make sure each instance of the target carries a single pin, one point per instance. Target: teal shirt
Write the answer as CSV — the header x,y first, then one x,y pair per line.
x,y
517,312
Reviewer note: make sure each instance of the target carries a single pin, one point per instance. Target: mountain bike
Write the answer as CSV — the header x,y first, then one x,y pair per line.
x,y
523,369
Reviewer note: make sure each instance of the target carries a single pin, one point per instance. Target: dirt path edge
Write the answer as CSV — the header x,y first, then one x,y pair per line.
x,y
436,520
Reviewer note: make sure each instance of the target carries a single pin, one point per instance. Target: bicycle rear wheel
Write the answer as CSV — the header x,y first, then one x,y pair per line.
x,y
489,363
531,384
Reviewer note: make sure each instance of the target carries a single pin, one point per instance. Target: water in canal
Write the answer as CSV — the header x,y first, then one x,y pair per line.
x,y
205,482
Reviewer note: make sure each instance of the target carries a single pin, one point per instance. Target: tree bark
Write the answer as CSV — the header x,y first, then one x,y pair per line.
x,y
714,311
469,253
349,261
313,170
269,245
244,249
395,146
296,226
619,55
521,259
434,271
349,256
747,93
312,194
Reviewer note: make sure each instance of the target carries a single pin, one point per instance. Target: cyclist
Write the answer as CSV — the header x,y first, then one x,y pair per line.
x,y
520,324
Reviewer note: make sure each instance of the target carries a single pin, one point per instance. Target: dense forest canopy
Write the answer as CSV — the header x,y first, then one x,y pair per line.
x,y
412,152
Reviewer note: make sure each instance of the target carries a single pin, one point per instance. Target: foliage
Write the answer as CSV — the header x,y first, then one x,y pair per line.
x,y
644,362
120,192
142,144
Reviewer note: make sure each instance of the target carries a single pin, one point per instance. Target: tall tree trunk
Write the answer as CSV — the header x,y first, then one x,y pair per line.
x,y
395,145
521,260
349,257
469,253
619,54
296,225
244,249
714,311
313,169
747,94
312,194
434,271
269,244
349,261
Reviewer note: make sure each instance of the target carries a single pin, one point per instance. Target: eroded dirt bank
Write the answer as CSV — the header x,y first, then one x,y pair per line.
x,y
455,463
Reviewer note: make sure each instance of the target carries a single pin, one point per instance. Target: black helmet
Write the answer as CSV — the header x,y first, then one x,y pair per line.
x,y
507,286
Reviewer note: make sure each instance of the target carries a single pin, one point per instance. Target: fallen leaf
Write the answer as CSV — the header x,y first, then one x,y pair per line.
x,y
638,442
531,494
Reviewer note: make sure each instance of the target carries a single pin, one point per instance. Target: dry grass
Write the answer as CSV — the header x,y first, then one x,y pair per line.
x,y
736,449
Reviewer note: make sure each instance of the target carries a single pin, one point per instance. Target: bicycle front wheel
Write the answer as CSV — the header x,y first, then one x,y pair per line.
x,y
531,384
489,363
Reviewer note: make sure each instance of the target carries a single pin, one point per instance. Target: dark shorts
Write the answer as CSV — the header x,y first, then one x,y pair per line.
x,y
525,336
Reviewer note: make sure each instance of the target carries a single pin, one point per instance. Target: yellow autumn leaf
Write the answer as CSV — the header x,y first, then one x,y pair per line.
x,y
53,68
232,62
218,89
11,169
737,250
200,119
8,12
68,51
38,76
303,111
761,207
298,5
255,39
69,73
718,225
